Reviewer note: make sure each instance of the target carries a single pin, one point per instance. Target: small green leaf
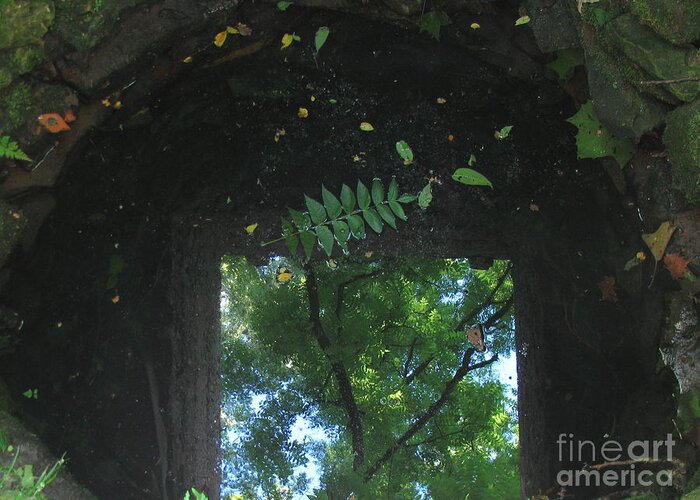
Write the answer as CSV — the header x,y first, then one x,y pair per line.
x,y
308,240
407,198
471,177
393,192
373,219
325,239
316,210
385,213
301,221
321,37
566,61
11,150
633,262
377,191
282,6
405,151
504,132
331,203
341,230
333,101
425,196
398,210
472,160
522,20
347,198
363,198
357,226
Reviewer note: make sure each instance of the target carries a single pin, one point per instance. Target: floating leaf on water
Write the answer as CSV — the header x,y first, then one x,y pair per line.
x,y
282,6
472,160
244,29
366,127
187,59
405,151
522,20
503,133
594,141
288,39
220,38
321,37
475,26
441,100
53,122
251,227
433,21
425,196
303,113
658,240
471,177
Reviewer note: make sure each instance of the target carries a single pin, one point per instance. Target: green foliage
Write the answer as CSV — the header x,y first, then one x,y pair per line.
x,y
471,177
504,132
390,324
19,481
282,6
337,221
31,394
10,149
197,495
425,197
321,37
566,61
594,141
405,152
433,21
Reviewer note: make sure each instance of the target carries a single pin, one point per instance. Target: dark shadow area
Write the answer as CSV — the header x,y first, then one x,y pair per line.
x,y
121,293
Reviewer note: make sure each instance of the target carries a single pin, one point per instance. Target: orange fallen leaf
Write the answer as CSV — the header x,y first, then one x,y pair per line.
x,y
450,137
53,122
69,117
676,264
607,288
220,38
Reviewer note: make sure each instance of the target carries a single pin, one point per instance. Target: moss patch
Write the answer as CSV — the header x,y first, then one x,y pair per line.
x,y
16,104
84,24
682,138
22,26
676,20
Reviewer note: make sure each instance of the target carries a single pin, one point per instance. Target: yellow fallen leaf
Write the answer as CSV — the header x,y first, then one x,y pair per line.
x,y
475,26
658,240
220,38
283,275
250,228
106,103
118,105
356,158
313,98
115,299
366,127
187,59
287,40
303,113
231,30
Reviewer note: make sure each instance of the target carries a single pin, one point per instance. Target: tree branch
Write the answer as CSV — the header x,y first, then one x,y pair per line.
x,y
434,408
339,372
474,312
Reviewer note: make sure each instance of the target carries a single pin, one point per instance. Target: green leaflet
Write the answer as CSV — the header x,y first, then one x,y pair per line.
x,y
405,151
425,196
321,37
471,177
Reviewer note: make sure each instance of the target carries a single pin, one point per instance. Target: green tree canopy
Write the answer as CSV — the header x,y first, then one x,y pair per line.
x,y
374,352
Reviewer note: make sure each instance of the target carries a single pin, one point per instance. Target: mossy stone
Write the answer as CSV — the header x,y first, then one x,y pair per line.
x,y
16,105
656,56
678,21
616,102
84,24
682,139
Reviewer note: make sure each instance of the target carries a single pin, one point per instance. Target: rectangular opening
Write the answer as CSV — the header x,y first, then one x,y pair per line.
x,y
368,375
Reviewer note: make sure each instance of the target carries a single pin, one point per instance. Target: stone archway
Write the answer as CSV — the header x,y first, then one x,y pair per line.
x,y
147,205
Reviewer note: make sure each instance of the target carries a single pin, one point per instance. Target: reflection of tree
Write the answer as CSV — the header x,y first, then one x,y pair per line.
x,y
386,366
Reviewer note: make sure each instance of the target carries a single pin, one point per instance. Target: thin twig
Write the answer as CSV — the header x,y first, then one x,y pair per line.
x,y
673,80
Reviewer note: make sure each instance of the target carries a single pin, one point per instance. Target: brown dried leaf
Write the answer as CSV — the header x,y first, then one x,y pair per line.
x,y
607,288
676,264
